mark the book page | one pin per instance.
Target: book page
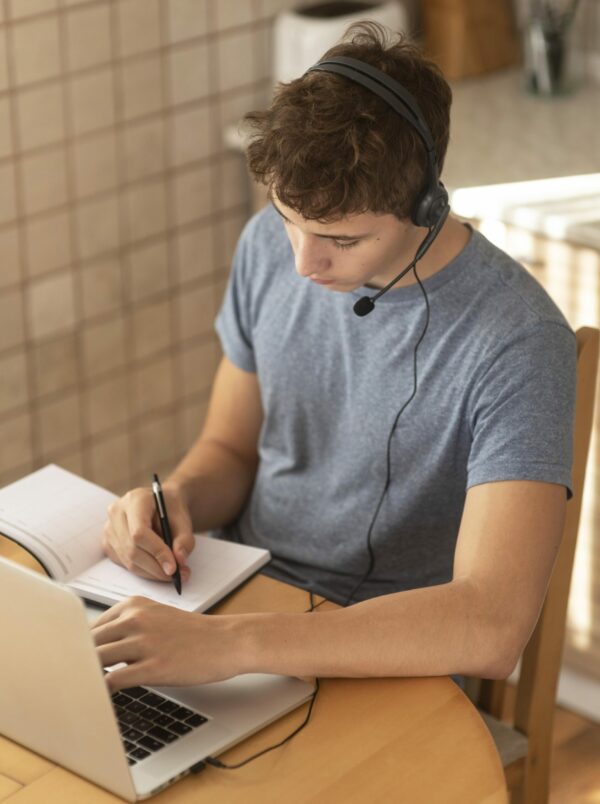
(58, 517)
(217, 567)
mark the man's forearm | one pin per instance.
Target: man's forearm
(215, 483)
(438, 630)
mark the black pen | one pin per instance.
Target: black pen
(165, 528)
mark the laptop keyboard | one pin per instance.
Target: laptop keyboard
(148, 721)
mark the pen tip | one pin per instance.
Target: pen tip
(155, 477)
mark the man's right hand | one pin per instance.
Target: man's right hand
(131, 534)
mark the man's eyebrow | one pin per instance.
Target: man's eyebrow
(326, 236)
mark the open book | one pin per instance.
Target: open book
(58, 517)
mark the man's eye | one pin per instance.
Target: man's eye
(343, 244)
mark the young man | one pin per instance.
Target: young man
(294, 452)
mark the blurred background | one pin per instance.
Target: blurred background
(123, 190)
(121, 199)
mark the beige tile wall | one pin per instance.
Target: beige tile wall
(119, 212)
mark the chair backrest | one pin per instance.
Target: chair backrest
(541, 660)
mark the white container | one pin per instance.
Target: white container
(300, 38)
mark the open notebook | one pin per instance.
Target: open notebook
(58, 517)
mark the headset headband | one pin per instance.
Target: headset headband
(387, 88)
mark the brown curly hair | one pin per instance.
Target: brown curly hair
(328, 147)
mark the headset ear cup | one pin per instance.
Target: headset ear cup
(430, 206)
(420, 213)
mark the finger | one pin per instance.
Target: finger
(147, 576)
(116, 652)
(108, 633)
(184, 541)
(131, 519)
(147, 551)
(130, 676)
(137, 568)
(133, 605)
(145, 566)
(110, 614)
(122, 549)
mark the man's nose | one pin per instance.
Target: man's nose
(309, 256)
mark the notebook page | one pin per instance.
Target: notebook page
(58, 516)
(217, 567)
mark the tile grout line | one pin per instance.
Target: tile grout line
(174, 286)
(123, 243)
(27, 343)
(81, 384)
(217, 177)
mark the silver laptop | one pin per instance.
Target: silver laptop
(54, 700)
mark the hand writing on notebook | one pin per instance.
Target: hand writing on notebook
(164, 646)
(131, 535)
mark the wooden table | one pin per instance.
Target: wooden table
(368, 740)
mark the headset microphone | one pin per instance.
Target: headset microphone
(367, 303)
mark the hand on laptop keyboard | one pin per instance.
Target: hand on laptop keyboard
(164, 646)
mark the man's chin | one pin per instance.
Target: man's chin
(341, 287)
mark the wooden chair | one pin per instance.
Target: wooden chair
(525, 748)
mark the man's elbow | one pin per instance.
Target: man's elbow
(494, 645)
(499, 668)
(505, 646)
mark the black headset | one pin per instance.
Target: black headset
(432, 207)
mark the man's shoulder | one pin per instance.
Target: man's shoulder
(263, 269)
(264, 233)
(513, 295)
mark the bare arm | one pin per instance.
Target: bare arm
(216, 475)
(477, 624)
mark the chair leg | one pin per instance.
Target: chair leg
(517, 796)
(535, 787)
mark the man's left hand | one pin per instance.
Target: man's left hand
(163, 646)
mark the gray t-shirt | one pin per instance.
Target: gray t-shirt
(495, 400)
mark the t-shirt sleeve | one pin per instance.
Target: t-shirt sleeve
(233, 323)
(522, 410)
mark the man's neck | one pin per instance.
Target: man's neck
(451, 240)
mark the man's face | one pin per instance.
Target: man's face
(357, 250)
